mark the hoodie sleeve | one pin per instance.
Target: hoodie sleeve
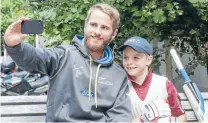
(121, 110)
(44, 61)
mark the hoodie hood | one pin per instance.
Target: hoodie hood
(79, 42)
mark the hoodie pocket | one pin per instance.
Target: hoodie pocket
(62, 113)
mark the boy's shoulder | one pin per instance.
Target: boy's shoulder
(162, 78)
(159, 76)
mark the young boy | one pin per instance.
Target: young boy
(154, 98)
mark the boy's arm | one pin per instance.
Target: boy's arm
(175, 102)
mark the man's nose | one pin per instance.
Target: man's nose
(98, 31)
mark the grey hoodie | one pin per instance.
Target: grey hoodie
(80, 89)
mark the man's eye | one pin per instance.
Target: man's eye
(105, 28)
(136, 58)
(124, 57)
(93, 24)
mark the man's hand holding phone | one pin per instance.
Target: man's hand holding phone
(18, 30)
(32, 27)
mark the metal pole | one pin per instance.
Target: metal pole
(36, 41)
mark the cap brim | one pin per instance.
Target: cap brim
(121, 48)
(124, 46)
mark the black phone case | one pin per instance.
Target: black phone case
(32, 27)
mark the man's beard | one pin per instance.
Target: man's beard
(93, 46)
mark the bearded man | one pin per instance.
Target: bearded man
(83, 77)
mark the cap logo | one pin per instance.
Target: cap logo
(133, 41)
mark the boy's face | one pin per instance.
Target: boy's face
(134, 62)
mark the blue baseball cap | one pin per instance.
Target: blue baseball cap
(139, 44)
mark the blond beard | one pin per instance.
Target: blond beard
(94, 47)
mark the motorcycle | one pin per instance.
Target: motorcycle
(15, 81)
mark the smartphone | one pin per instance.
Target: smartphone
(32, 27)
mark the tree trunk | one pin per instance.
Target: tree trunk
(155, 48)
(168, 59)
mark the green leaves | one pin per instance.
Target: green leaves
(201, 7)
(158, 16)
(151, 19)
(192, 31)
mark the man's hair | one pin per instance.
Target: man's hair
(111, 11)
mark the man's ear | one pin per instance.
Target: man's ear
(114, 34)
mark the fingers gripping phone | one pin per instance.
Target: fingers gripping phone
(32, 27)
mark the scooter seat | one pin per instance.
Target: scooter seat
(7, 66)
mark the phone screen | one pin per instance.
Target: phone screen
(32, 27)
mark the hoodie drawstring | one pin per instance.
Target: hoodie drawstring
(90, 81)
(96, 81)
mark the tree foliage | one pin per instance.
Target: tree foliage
(182, 23)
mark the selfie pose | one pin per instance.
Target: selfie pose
(154, 98)
(83, 84)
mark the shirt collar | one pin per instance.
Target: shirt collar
(147, 80)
